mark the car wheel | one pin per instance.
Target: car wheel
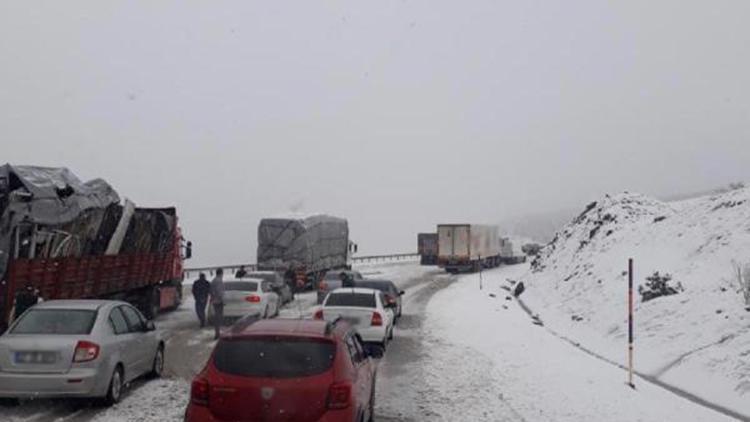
(114, 392)
(157, 368)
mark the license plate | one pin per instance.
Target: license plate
(35, 357)
(351, 320)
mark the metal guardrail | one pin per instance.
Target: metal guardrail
(191, 272)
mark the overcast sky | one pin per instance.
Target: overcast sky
(395, 114)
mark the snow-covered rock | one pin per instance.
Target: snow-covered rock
(698, 339)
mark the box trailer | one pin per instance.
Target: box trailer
(427, 247)
(468, 247)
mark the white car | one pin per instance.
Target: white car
(248, 296)
(78, 348)
(363, 309)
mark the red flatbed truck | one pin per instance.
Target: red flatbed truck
(150, 281)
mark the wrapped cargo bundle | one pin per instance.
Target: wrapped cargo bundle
(315, 243)
(49, 213)
(52, 198)
(150, 230)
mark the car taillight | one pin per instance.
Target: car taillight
(377, 319)
(339, 396)
(253, 299)
(323, 286)
(85, 351)
(318, 314)
(199, 392)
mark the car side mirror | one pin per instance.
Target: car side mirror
(189, 250)
(150, 326)
(401, 293)
(374, 351)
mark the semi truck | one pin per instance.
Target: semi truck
(508, 253)
(468, 247)
(427, 247)
(308, 246)
(66, 239)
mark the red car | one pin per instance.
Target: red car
(286, 370)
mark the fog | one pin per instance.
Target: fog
(394, 114)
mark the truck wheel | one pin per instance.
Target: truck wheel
(152, 307)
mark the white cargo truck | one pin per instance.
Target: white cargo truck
(468, 247)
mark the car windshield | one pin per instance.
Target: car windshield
(55, 321)
(359, 300)
(241, 286)
(274, 357)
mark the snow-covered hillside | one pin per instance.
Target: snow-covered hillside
(698, 339)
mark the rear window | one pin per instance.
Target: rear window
(274, 357)
(55, 321)
(333, 276)
(377, 286)
(360, 300)
(243, 286)
(271, 278)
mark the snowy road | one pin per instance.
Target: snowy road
(459, 353)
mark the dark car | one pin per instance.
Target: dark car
(332, 281)
(305, 370)
(392, 293)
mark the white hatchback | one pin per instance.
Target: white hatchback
(248, 296)
(362, 308)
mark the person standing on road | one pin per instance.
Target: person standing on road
(217, 301)
(201, 290)
(25, 299)
(241, 272)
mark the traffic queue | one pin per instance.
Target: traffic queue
(320, 366)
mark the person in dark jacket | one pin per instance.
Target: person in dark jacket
(346, 279)
(241, 272)
(25, 299)
(201, 289)
(217, 301)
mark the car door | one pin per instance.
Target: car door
(366, 369)
(359, 377)
(140, 341)
(271, 297)
(123, 341)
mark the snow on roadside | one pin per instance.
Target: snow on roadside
(154, 401)
(696, 340)
(538, 376)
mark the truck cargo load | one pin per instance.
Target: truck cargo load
(427, 247)
(308, 245)
(69, 239)
(468, 247)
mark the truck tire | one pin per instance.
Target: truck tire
(151, 303)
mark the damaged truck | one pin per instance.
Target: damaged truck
(307, 246)
(73, 240)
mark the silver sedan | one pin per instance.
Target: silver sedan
(78, 348)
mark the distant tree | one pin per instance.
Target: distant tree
(658, 285)
(736, 185)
